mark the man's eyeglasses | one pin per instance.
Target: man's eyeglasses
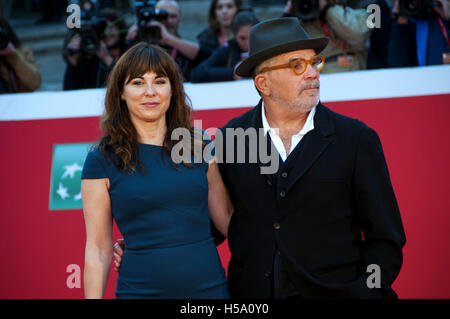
(299, 65)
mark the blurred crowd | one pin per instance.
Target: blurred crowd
(406, 33)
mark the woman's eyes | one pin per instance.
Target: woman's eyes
(226, 6)
(160, 82)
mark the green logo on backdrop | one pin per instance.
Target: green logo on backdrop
(65, 185)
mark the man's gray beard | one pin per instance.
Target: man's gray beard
(301, 107)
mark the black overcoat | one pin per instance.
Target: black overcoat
(337, 214)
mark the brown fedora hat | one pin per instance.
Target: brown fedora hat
(276, 36)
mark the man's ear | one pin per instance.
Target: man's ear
(262, 83)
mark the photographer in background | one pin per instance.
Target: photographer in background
(90, 52)
(420, 34)
(161, 28)
(221, 64)
(18, 70)
(346, 28)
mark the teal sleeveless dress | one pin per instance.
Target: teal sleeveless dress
(164, 218)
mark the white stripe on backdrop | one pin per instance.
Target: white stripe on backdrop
(358, 85)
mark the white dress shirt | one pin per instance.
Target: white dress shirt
(295, 139)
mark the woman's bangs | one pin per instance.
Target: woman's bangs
(145, 60)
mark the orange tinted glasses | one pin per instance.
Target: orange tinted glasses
(299, 65)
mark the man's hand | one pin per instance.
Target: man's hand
(396, 10)
(166, 37)
(322, 4)
(103, 54)
(132, 32)
(444, 9)
(288, 7)
(235, 76)
(118, 249)
(8, 50)
(74, 45)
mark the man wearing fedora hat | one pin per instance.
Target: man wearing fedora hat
(328, 214)
(311, 229)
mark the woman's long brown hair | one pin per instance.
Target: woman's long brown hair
(120, 139)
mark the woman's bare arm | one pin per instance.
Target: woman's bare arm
(99, 240)
(219, 202)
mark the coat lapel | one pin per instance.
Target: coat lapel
(254, 122)
(314, 143)
(269, 150)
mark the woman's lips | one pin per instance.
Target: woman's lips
(150, 104)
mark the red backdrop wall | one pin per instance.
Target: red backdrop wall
(37, 244)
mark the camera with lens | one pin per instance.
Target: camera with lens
(306, 9)
(91, 32)
(92, 28)
(417, 9)
(146, 12)
(4, 38)
(310, 10)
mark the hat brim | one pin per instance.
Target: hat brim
(245, 69)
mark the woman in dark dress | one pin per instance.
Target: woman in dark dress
(161, 206)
